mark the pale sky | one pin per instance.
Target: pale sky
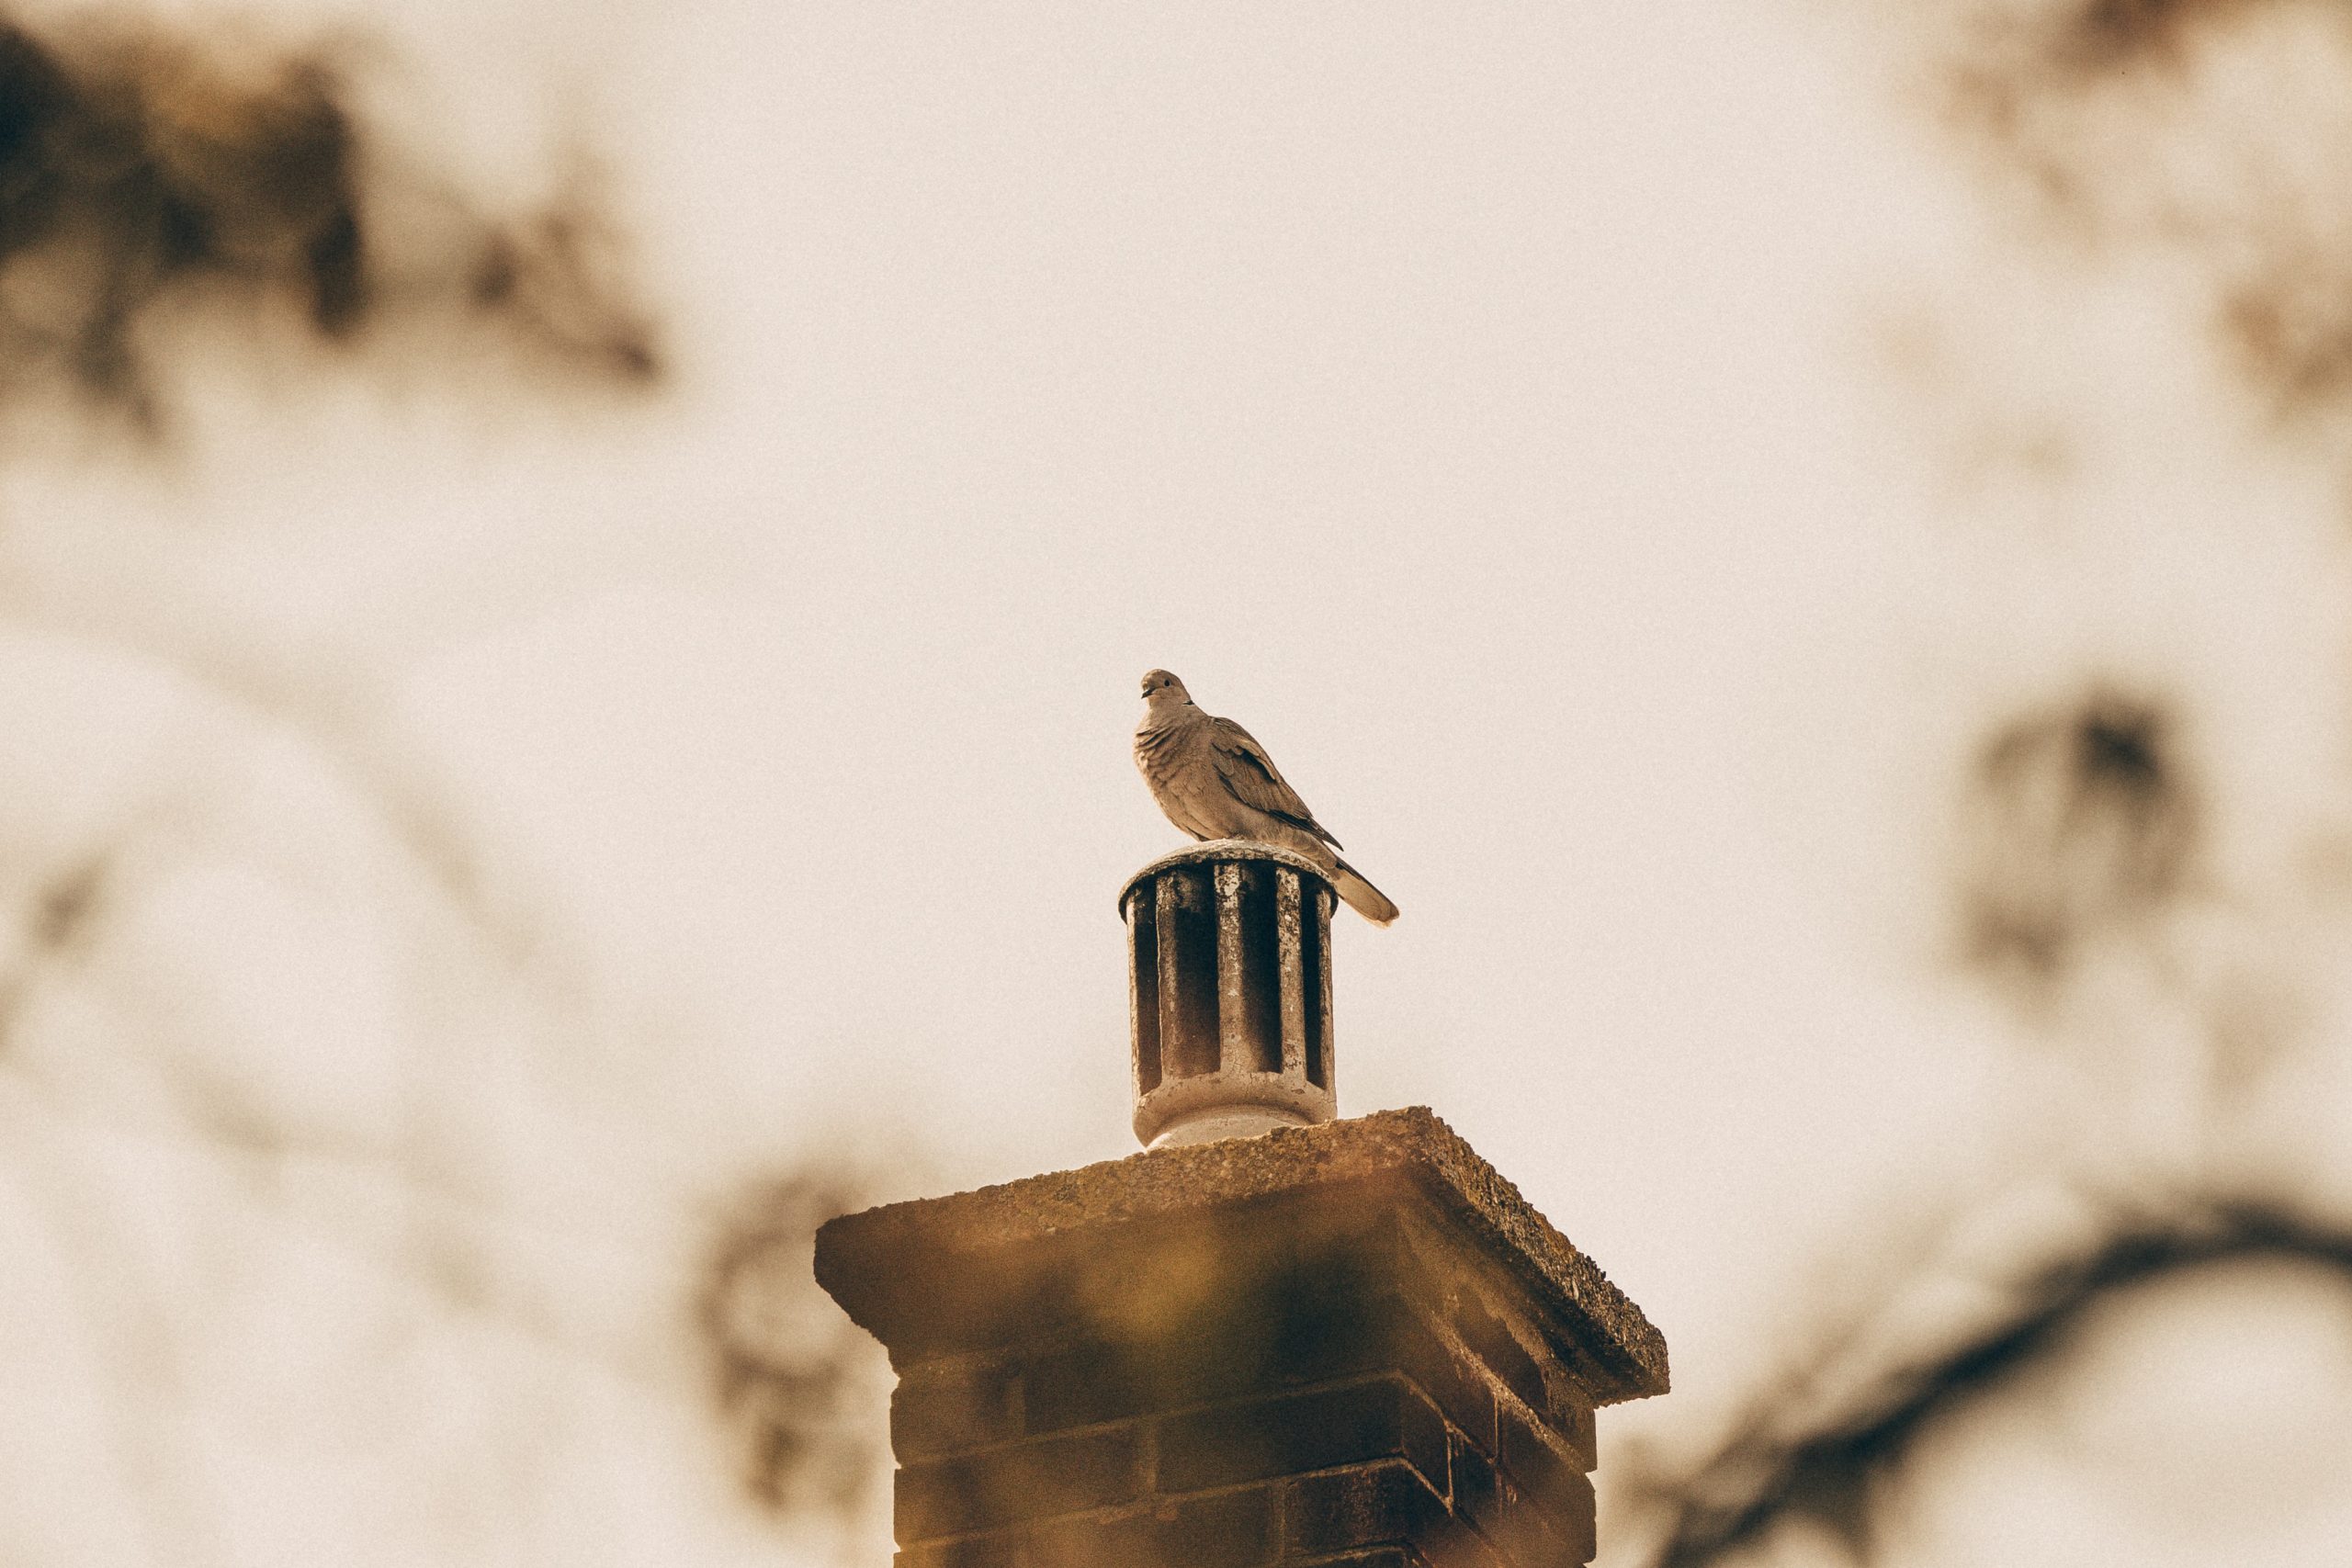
(1578, 441)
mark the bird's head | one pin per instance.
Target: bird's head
(1159, 686)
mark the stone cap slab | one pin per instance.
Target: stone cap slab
(869, 1260)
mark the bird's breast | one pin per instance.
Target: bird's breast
(1158, 752)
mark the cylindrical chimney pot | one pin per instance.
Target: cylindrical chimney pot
(1230, 977)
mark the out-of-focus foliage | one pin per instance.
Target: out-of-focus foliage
(2212, 133)
(2083, 824)
(151, 180)
(309, 1194)
(800, 1384)
(1819, 1449)
(2193, 149)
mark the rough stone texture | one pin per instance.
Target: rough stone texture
(864, 1260)
(1351, 1343)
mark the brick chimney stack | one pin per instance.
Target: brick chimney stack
(1271, 1339)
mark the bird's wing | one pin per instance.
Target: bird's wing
(1254, 780)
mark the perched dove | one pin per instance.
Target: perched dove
(1215, 782)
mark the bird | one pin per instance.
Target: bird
(1215, 781)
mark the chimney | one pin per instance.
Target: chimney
(1229, 989)
(1274, 1337)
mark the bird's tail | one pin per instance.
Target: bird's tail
(1362, 896)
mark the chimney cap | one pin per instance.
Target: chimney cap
(943, 1275)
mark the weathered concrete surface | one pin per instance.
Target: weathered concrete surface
(943, 1275)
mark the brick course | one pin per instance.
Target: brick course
(1296, 1434)
(946, 1406)
(1209, 1456)
(1020, 1481)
